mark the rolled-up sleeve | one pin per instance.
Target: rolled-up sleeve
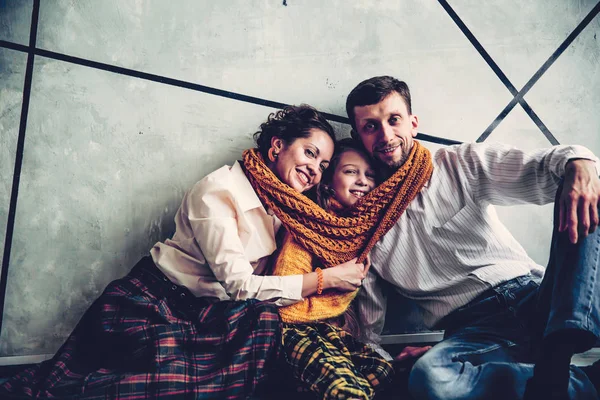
(504, 175)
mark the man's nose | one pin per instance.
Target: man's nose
(387, 133)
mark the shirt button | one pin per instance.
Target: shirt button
(174, 287)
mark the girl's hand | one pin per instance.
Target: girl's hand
(345, 277)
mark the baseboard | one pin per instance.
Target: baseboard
(413, 338)
(22, 360)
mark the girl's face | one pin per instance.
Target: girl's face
(353, 178)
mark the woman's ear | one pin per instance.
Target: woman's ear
(276, 144)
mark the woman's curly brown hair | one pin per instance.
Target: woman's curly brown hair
(289, 124)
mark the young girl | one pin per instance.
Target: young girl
(326, 358)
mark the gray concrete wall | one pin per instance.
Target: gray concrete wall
(107, 157)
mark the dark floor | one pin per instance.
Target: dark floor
(586, 358)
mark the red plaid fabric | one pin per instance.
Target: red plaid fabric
(147, 338)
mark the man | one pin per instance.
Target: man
(451, 254)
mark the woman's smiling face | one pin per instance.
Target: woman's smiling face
(301, 163)
(353, 178)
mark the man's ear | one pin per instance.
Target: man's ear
(354, 134)
(414, 120)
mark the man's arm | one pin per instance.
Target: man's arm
(504, 175)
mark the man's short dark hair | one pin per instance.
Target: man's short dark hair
(372, 91)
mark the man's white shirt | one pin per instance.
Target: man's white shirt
(449, 246)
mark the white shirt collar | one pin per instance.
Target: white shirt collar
(247, 197)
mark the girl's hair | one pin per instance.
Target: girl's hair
(289, 124)
(324, 191)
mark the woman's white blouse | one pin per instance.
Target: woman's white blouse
(223, 236)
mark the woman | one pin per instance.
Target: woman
(190, 321)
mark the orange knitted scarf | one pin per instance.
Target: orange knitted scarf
(336, 239)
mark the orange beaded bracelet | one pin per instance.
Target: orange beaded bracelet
(319, 272)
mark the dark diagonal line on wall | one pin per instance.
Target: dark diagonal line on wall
(519, 96)
(158, 78)
(437, 139)
(499, 73)
(14, 46)
(186, 85)
(10, 224)
(488, 59)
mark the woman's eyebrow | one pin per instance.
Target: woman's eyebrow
(315, 147)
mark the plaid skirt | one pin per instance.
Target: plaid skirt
(331, 363)
(145, 337)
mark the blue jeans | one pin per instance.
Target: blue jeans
(490, 344)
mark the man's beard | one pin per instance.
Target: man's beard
(397, 164)
(388, 170)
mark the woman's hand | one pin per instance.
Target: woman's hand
(345, 277)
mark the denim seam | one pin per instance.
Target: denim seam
(456, 356)
(594, 265)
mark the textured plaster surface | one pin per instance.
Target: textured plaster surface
(103, 175)
(12, 73)
(566, 98)
(15, 20)
(521, 35)
(568, 95)
(108, 157)
(309, 51)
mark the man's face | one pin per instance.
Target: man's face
(386, 129)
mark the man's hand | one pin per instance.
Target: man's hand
(411, 352)
(407, 357)
(578, 203)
